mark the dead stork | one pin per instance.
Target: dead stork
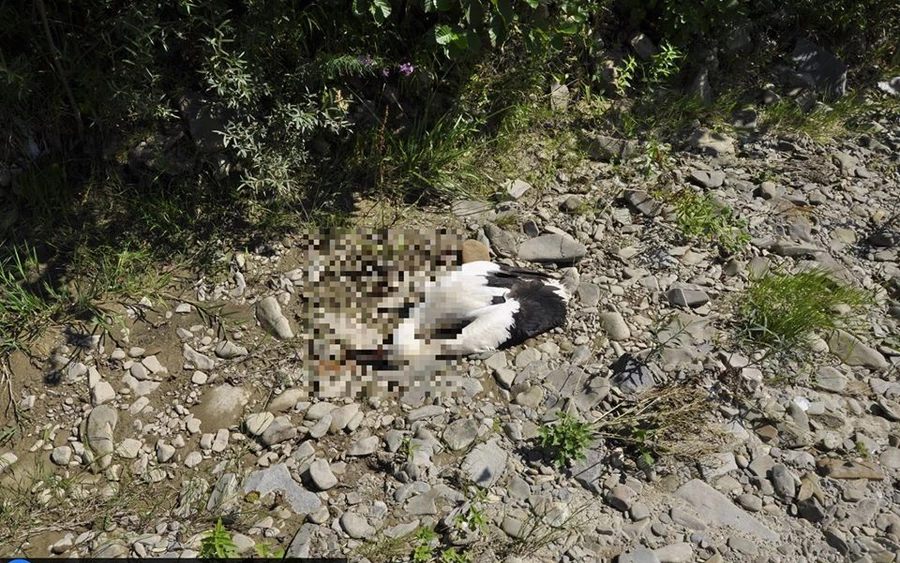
(480, 307)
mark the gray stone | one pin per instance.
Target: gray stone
(559, 96)
(717, 510)
(631, 375)
(642, 202)
(639, 511)
(854, 352)
(836, 539)
(268, 312)
(621, 497)
(280, 430)
(888, 408)
(589, 294)
(503, 243)
(606, 149)
(830, 379)
(196, 359)
(787, 247)
(7, 460)
(700, 86)
(766, 190)
(681, 552)
(460, 433)
(102, 392)
(228, 350)
(321, 475)
(890, 458)
(364, 447)
(278, 478)
(341, 416)
(743, 546)
(684, 518)
(571, 204)
(615, 326)
(485, 464)
(639, 555)
(257, 423)
(784, 482)
(686, 295)
(129, 448)
(517, 188)
(101, 424)
(643, 46)
(427, 411)
(557, 248)
(750, 502)
(846, 162)
(711, 142)
(61, 455)
(164, 452)
(356, 526)
(891, 86)
(707, 179)
(224, 494)
(590, 471)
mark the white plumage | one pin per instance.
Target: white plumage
(480, 307)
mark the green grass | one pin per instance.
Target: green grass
(851, 113)
(32, 297)
(779, 311)
(701, 217)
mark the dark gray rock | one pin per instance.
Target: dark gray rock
(503, 243)
(707, 179)
(642, 202)
(631, 375)
(820, 69)
(606, 149)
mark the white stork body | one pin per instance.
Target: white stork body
(481, 307)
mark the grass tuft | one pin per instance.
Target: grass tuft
(780, 310)
(700, 216)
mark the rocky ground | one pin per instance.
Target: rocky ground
(134, 441)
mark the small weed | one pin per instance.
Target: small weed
(450, 555)
(217, 544)
(569, 438)
(780, 310)
(861, 449)
(424, 540)
(701, 217)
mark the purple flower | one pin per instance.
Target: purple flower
(365, 60)
(407, 68)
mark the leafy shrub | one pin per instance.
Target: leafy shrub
(569, 438)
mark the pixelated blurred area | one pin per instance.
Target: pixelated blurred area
(360, 284)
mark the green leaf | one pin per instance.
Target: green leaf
(568, 28)
(443, 5)
(357, 9)
(443, 35)
(380, 10)
(505, 9)
(474, 13)
(533, 3)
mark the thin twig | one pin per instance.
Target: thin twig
(7, 375)
(57, 65)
